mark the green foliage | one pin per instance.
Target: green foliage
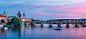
(8, 23)
(16, 18)
(3, 21)
(7, 20)
(15, 21)
(0, 22)
(34, 20)
(83, 20)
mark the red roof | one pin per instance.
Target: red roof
(3, 16)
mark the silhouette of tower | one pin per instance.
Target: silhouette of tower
(23, 15)
(19, 15)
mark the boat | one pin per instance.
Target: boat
(5, 28)
(57, 29)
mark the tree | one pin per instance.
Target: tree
(34, 20)
(3, 21)
(8, 23)
(16, 21)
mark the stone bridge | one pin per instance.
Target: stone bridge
(33, 23)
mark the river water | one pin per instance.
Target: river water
(46, 32)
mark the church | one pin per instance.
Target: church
(4, 16)
(24, 18)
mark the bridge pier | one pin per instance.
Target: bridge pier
(81, 23)
(75, 25)
(84, 24)
(50, 25)
(59, 25)
(41, 25)
(33, 24)
(67, 24)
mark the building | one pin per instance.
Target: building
(30, 19)
(19, 15)
(26, 19)
(4, 16)
(23, 19)
(10, 17)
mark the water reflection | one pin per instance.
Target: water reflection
(46, 32)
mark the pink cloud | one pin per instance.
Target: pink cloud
(68, 15)
(77, 9)
(53, 9)
(43, 13)
(73, 15)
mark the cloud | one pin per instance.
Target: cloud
(11, 2)
(77, 9)
(58, 2)
(43, 13)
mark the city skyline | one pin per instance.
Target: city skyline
(45, 9)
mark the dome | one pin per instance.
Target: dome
(4, 13)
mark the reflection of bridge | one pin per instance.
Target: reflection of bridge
(33, 23)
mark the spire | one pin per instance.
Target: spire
(18, 12)
(24, 14)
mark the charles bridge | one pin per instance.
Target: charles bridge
(33, 23)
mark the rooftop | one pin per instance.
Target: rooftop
(3, 16)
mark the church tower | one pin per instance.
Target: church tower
(19, 15)
(4, 14)
(23, 15)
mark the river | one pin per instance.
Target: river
(46, 32)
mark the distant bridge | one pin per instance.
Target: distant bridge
(33, 23)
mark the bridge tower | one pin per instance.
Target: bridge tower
(23, 15)
(19, 15)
